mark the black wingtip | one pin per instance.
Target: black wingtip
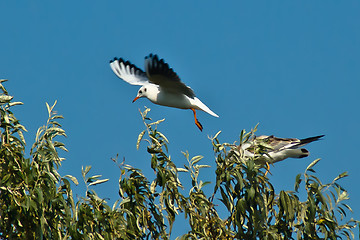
(318, 137)
(113, 60)
(120, 60)
(152, 56)
(158, 65)
(311, 139)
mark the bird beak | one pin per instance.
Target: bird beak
(137, 97)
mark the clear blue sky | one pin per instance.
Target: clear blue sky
(292, 66)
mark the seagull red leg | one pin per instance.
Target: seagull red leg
(198, 124)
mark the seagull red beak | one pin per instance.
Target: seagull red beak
(135, 99)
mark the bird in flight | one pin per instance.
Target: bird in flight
(160, 84)
(273, 149)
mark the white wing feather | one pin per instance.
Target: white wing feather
(128, 72)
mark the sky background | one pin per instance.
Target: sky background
(291, 66)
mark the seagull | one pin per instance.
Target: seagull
(278, 149)
(160, 84)
(273, 149)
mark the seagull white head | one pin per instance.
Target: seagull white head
(149, 91)
(141, 93)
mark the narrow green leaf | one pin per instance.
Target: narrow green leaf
(72, 178)
(39, 193)
(21, 136)
(56, 129)
(203, 166)
(297, 182)
(98, 182)
(203, 184)
(311, 165)
(87, 169)
(93, 178)
(342, 175)
(48, 108)
(52, 176)
(182, 170)
(347, 206)
(57, 117)
(163, 136)
(225, 199)
(15, 103)
(217, 134)
(98, 236)
(157, 122)
(251, 193)
(283, 202)
(196, 159)
(141, 135)
(19, 222)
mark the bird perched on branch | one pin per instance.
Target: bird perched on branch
(160, 84)
(272, 149)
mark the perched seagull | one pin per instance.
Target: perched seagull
(160, 84)
(274, 149)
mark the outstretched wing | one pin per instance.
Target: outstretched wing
(128, 72)
(159, 72)
(279, 144)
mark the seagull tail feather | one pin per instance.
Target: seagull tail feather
(203, 107)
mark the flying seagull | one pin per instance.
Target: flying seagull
(273, 149)
(160, 84)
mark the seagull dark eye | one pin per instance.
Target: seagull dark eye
(144, 89)
(140, 92)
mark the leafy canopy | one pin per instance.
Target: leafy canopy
(37, 203)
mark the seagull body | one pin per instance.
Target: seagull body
(278, 149)
(160, 84)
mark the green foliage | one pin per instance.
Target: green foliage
(37, 203)
(256, 212)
